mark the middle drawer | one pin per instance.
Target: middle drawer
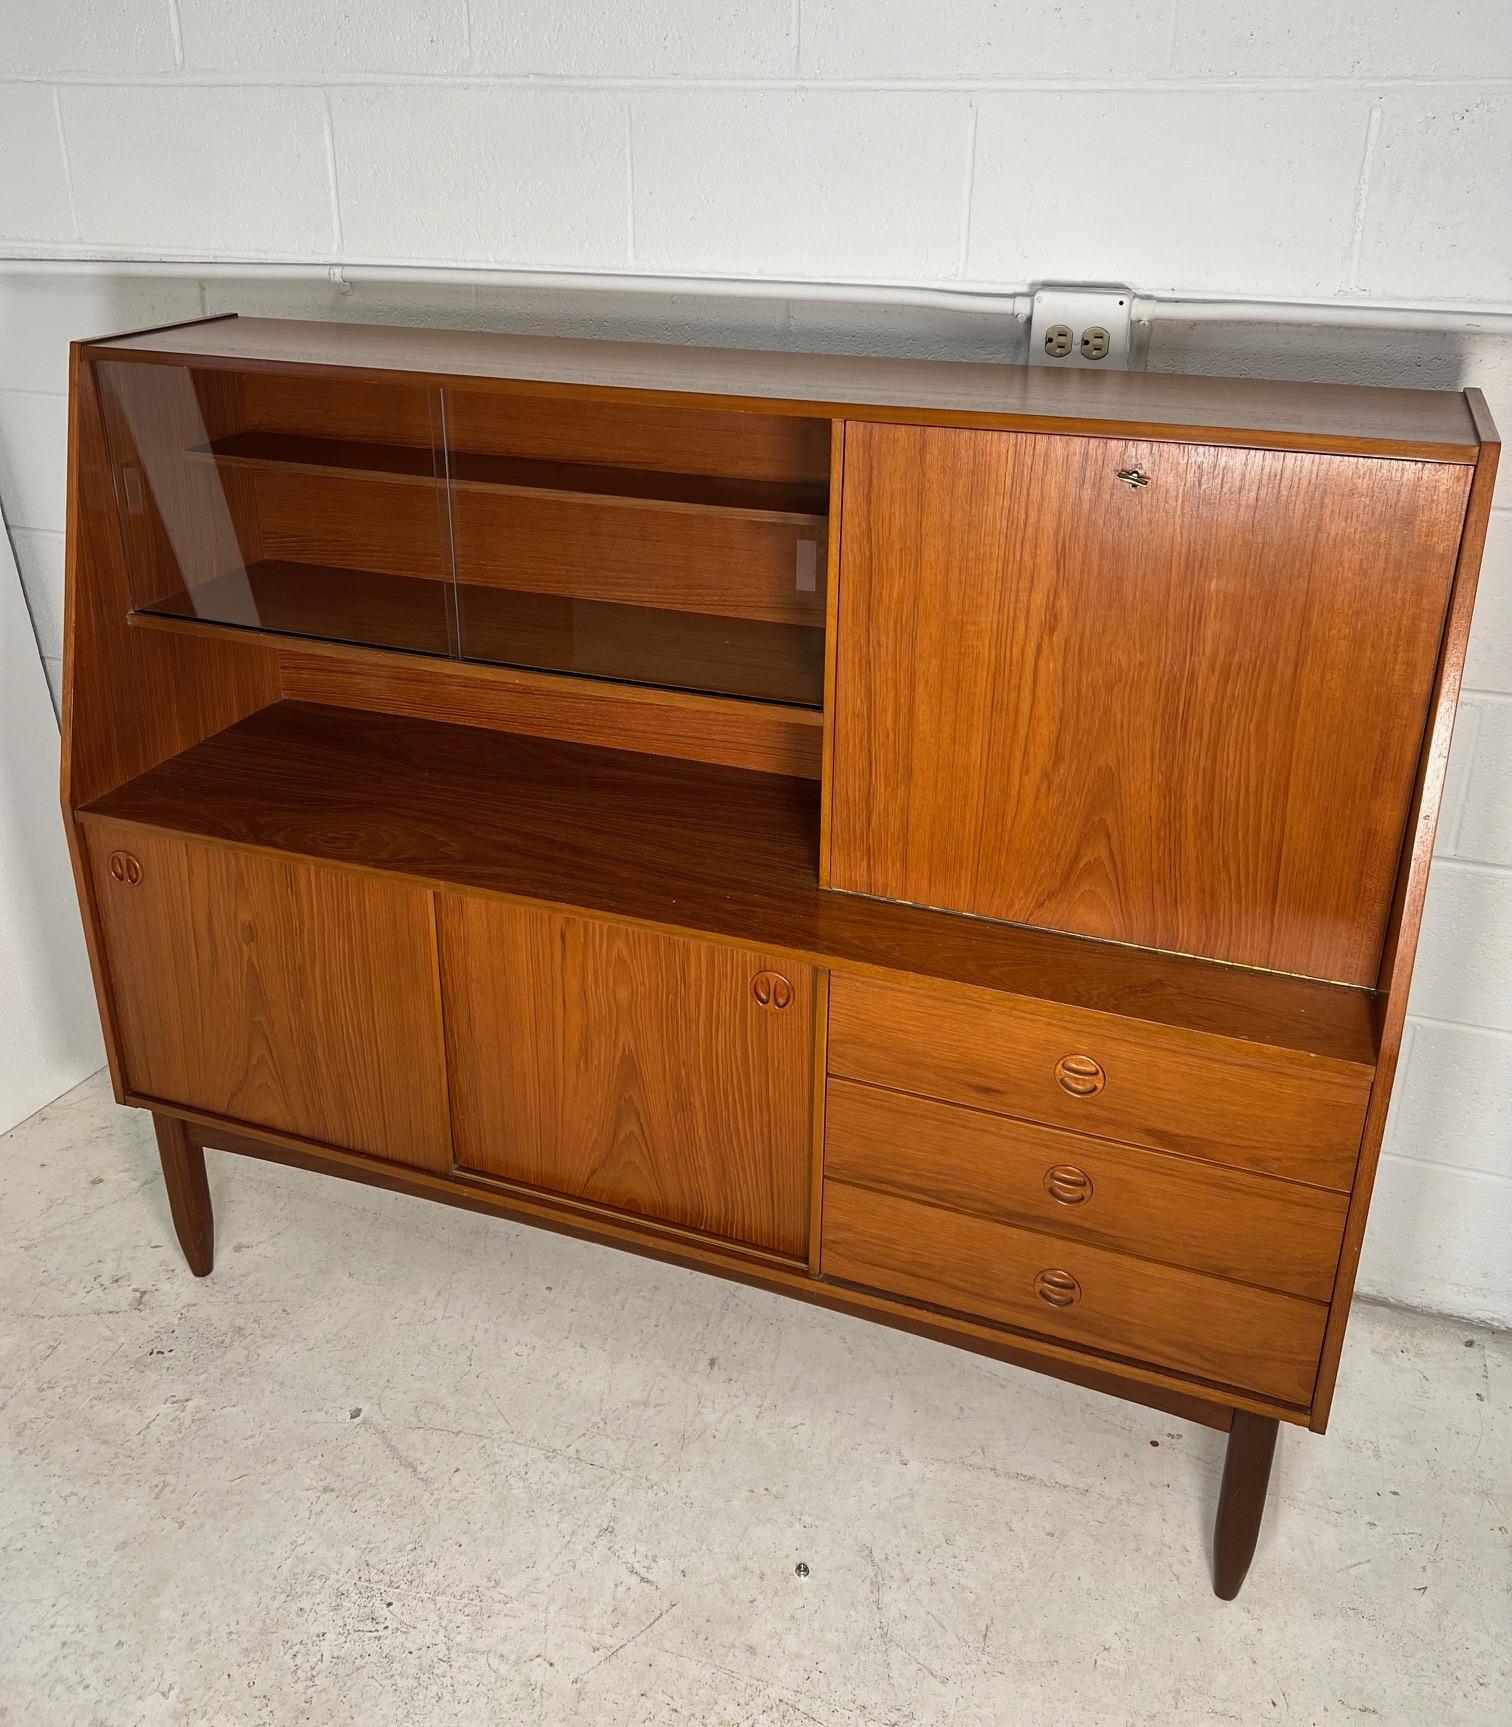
(1253, 1229)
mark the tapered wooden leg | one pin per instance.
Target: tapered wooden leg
(1241, 1499)
(188, 1192)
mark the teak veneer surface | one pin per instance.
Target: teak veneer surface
(1275, 1111)
(761, 736)
(1227, 1332)
(676, 440)
(1185, 716)
(630, 1069)
(1434, 425)
(648, 646)
(697, 494)
(263, 989)
(677, 845)
(1248, 1228)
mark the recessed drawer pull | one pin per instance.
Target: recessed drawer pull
(1068, 1185)
(771, 989)
(124, 867)
(1079, 1075)
(1057, 1288)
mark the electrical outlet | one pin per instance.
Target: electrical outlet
(1089, 327)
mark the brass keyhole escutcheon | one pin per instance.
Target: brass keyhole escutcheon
(771, 989)
(1068, 1185)
(1057, 1288)
(1133, 478)
(1080, 1075)
(124, 867)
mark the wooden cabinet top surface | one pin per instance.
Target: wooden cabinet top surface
(1431, 425)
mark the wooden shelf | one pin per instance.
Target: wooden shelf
(632, 488)
(643, 645)
(674, 845)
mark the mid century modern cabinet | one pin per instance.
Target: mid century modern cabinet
(946, 842)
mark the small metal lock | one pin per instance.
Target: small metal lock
(1133, 478)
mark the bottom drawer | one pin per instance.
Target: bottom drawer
(1187, 1321)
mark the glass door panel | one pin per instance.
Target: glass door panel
(283, 501)
(676, 547)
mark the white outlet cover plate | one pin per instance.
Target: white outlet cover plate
(1082, 308)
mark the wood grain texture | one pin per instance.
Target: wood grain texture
(687, 452)
(178, 524)
(188, 1193)
(578, 481)
(831, 637)
(275, 994)
(1241, 1500)
(634, 1070)
(1185, 716)
(1248, 1228)
(1249, 412)
(643, 646)
(685, 561)
(673, 845)
(354, 524)
(116, 722)
(375, 409)
(771, 448)
(1411, 892)
(745, 657)
(816, 1155)
(761, 736)
(1265, 1109)
(1178, 1395)
(1226, 1332)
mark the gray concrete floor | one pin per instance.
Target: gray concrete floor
(394, 1463)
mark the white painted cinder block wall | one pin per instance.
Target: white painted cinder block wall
(1285, 150)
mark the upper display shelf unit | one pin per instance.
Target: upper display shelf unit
(659, 546)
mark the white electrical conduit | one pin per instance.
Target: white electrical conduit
(1146, 308)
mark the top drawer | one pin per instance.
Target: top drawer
(1249, 1105)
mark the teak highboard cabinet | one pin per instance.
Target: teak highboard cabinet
(946, 842)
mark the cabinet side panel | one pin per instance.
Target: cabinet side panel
(1412, 887)
(132, 698)
(1182, 713)
(630, 1069)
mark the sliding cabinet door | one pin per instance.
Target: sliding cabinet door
(274, 993)
(655, 1075)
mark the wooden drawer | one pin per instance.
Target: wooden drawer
(1252, 1228)
(1276, 1110)
(1252, 1339)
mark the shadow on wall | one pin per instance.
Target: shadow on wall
(51, 1038)
(1397, 359)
